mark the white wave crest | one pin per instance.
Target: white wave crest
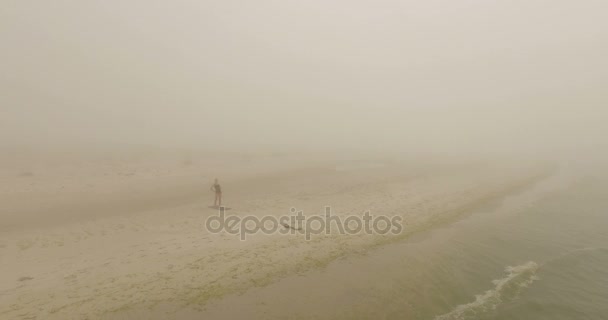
(517, 277)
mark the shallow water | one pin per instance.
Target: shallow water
(538, 254)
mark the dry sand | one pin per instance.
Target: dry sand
(122, 235)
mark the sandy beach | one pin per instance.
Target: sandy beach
(393, 160)
(122, 235)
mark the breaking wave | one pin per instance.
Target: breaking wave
(505, 289)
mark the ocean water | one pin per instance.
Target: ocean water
(553, 246)
(541, 253)
(538, 254)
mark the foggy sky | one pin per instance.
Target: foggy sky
(412, 75)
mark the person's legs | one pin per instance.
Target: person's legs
(219, 196)
(215, 200)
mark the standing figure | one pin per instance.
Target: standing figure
(218, 193)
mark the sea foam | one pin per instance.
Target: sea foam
(505, 288)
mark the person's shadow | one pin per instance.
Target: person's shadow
(218, 207)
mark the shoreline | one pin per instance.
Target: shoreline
(120, 263)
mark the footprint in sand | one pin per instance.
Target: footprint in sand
(26, 278)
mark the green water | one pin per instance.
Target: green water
(540, 254)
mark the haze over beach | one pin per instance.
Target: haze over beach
(447, 160)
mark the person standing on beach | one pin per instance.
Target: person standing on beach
(218, 193)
